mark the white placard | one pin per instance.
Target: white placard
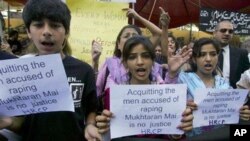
(124, 1)
(146, 109)
(218, 106)
(34, 85)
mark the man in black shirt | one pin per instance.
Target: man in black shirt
(48, 23)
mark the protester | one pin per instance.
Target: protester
(48, 26)
(7, 132)
(138, 58)
(202, 75)
(113, 65)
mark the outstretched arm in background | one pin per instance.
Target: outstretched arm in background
(155, 31)
(96, 51)
(164, 20)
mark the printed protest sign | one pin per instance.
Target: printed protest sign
(217, 106)
(146, 109)
(34, 85)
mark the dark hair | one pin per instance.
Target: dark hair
(197, 50)
(136, 40)
(117, 51)
(175, 41)
(219, 24)
(54, 10)
(13, 33)
(131, 43)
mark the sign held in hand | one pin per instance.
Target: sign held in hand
(34, 85)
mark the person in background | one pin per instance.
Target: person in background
(244, 83)
(233, 61)
(172, 43)
(48, 26)
(113, 64)
(6, 132)
(15, 44)
(138, 58)
(162, 58)
(5, 47)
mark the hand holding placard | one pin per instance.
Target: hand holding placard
(34, 85)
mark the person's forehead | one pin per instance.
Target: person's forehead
(129, 30)
(226, 25)
(208, 47)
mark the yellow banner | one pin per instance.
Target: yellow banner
(92, 20)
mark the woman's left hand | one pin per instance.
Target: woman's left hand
(187, 120)
(245, 113)
(91, 133)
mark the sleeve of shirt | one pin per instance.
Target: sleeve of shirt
(169, 80)
(100, 81)
(110, 81)
(90, 100)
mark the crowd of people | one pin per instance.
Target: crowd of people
(209, 63)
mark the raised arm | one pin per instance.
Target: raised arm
(155, 31)
(164, 20)
(175, 61)
(96, 51)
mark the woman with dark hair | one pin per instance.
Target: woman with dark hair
(202, 75)
(172, 43)
(113, 65)
(138, 58)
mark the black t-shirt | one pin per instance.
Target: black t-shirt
(4, 56)
(66, 126)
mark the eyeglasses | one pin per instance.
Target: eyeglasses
(224, 30)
